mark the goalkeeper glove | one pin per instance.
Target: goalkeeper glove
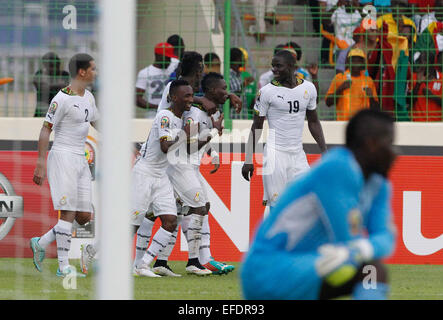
(338, 264)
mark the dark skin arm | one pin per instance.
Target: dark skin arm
(165, 145)
(330, 100)
(254, 136)
(139, 101)
(201, 143)
(373, 104)
(315, 128)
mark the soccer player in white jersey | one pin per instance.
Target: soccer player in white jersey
(151, 81)
(188, 182)
(151, 185)
(69, 115)
(285, 103)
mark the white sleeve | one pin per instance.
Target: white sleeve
(164, 126)
(165, 103)
(56, 111)
(312, 104)
(262, 103)
(142, 79)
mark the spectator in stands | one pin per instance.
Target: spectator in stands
(398, 23)
(365, 38)
(249, 86)
(237, 61)
(267, 77)
(345, 19)
(327, 7)
(179, 47)
(212, 63)
(48, 81)
(352, 90)
(308, 74)
(152, 80)
(427, 93)
(238, 81)
(264, 10)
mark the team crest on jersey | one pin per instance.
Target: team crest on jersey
(164, 122)
(306, 95)
(63, 200)
(52, 108)
(197, 197)
(355, 221)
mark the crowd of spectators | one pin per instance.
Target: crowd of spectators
(390, 59)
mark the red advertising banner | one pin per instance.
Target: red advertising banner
(236, 208)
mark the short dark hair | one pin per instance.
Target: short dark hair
(189, 63)
(236, 55)
(177, 42)
(296, 48)
(210, 80)
(79, 61)
(287, 56)
(175, 84)
(210, 56)
(366, 124)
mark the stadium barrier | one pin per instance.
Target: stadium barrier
(236, 205)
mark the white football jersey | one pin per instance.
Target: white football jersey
(285, 110)
(152, 159)
(153, 80)
(70, 116)
(197, 115)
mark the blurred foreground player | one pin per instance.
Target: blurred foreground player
(330, 223)
(69, 115)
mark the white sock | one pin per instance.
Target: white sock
(194, 235)
(164, 254)
(47, 239)
(63, 234)
(185, 224)
(159, 242)
(205, 251)
(144, 233)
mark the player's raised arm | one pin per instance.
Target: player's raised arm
(43, 143)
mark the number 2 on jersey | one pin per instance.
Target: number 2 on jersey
(294, 106)
(86, 115)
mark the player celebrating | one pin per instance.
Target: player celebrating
(191, 70)
(330, 224)
(187, 182)
(151, 185)
(284, 102)
(70, 113)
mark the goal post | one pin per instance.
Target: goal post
(117, 73)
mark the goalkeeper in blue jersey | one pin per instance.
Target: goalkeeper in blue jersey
(330, 223)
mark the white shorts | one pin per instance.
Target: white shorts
(148, 192)
(70, 181)
(280, 168)
(187, 183)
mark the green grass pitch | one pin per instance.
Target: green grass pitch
(20, 280)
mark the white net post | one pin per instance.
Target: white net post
(116, 76)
